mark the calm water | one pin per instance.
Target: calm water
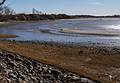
(50, 31)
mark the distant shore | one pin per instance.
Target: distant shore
(39, 17)
(10, 22)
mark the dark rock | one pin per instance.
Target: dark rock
(11, 57)
(55, 73)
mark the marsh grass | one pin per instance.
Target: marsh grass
(7, 36)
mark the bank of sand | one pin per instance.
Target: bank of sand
(98, 63)
(101, 32)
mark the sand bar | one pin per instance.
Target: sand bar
(91, 32)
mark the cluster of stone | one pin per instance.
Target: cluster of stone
(18, 69)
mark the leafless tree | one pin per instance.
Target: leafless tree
(4, 10)
(34, 11)
(2, 1)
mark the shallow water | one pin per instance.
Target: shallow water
(50, 31)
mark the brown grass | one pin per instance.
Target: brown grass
(7, 36)
(83, 60)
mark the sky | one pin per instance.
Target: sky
(70, 7)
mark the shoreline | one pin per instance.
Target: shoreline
(90, 61)
(18, 69)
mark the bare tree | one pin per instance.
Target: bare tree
(2, 1)
(1, 8)
(4, 10)
(34, 11)
(8, 11)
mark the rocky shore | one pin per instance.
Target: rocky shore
(18, 69)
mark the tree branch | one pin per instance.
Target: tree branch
(2, 2)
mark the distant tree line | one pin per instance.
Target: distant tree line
(8, 14)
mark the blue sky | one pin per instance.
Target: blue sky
(91, 7)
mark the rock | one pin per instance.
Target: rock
(1, 78)
(55, 73)
(10, 57)
(8, 80)
(22, 77)
(75, 78)
(85, 80)
(12, 76)
(12, 64)
(18, 69)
